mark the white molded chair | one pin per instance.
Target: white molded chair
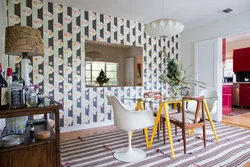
(129, 120)
(211, 103)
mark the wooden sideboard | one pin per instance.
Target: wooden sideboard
(34, 152)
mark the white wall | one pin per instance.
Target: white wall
(223, 28)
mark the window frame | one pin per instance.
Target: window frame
(105, 70)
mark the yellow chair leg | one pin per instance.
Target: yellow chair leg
(169, 130)
(146, 136)
(190, 133)
(157, 119)
(210, 121)
(139, 106)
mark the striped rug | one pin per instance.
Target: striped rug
(97, 151)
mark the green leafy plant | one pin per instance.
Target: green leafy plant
(176, 76)
(102, 79)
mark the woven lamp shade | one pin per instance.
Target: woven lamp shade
(23, 40)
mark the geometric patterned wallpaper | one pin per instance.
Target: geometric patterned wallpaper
(60, 73)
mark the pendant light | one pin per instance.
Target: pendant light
(163, 28)
(94, 55)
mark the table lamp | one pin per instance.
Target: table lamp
(24, 41)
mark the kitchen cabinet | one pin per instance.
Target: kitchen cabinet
(246, 59)
(241, 60)
(34, 152)
(245, 95)
(237, 60)
(226, 99)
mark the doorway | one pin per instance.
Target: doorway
(233, 42)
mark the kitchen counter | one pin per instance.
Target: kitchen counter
(227, 83)
(243, 82)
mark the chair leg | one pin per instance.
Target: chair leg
(160, 123)
(158, 129)
(175, 130)
(184, 139)
(164, 131)
(130, 154)
(204, 134)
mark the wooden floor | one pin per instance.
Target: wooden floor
(242, 120)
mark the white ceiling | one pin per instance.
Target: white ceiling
(192, 13)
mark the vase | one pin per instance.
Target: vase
(30, 96)
(174, 91)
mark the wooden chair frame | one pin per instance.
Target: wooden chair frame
(185, 126)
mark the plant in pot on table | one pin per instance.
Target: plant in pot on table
(102, 79)
(176, 77)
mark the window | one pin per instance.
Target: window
(228, 68)
(93, 69)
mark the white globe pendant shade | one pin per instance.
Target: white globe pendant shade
(163, 28)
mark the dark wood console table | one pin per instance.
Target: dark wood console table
(34, 153)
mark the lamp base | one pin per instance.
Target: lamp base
(25, 71)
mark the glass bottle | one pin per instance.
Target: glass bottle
(9, 76)
(3, 91)
(30, 96)
(18, 71)
(16, 93)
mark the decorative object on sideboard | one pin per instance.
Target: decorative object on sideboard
(31, 95)
(3, 90)
(163, 28)
(16, 93)
(24, 41)
(43, 135)
(11, 140)
(93, 55)
(40, 99)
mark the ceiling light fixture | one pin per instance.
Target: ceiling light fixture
(93, 55)
(163, 28)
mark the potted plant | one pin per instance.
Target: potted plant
(176, 77)
(102, 79)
